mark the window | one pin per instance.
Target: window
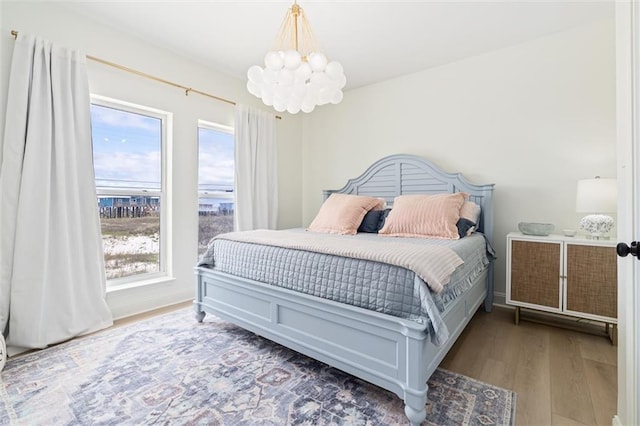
(215, 182)
(129, 143)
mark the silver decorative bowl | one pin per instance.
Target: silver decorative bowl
(532, 228)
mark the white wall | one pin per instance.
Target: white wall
(533, 119)
(61, 25)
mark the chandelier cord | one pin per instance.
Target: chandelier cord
(295, 11)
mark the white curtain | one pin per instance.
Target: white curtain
(52, 279)
(256, 169)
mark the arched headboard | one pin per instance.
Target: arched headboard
(402, 174)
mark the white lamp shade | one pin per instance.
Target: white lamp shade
(599, 195)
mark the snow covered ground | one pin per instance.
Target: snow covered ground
(132, 254)
(131, 244)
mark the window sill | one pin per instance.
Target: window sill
(165, 279)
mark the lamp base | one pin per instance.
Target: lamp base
(597, 236)
(597, 225)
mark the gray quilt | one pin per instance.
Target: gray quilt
(367, 284)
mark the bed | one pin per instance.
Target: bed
(396, 353)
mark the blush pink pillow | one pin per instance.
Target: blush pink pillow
(427, 216)
(343, 213)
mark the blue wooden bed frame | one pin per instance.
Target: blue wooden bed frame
(393, 353)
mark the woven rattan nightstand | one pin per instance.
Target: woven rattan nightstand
(564, 275)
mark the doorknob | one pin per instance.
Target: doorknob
(623, 250)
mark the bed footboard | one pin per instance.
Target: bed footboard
(390, 352)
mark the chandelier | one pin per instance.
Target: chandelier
(297, 76)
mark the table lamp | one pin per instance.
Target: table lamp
(597, 196)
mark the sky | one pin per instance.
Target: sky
(215, 160)
(127, 152)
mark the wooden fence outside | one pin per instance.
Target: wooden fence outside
(116, 212)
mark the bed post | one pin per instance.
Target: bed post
(487, 229)
(415, 416)
(416, 389)
(200, 313)
(488, 301)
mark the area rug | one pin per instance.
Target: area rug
(172, 370)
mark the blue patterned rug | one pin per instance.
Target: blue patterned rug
(172, 370)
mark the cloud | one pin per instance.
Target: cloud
(128, 169)
(215, 170)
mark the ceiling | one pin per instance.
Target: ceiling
(374, 40)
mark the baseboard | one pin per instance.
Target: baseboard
(137, 300)
(499, 299)
(616, 421)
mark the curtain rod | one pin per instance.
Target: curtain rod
(186, 89)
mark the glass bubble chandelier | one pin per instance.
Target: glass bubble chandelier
(297, 76)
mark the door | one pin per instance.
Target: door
(534, 278)
(628, 145)
(591, 283)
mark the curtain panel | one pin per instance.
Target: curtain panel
(52, 279)
(256, 179)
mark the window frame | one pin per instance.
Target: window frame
(164, 193)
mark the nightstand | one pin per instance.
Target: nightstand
(571, 276)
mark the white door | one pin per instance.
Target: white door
(628, 145)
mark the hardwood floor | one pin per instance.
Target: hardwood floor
(561, 376)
